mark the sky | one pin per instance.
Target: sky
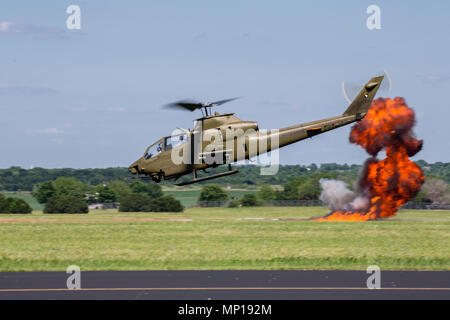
(93, 97)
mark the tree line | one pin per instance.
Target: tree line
(434, 191)
(68, 195)
(19, 179)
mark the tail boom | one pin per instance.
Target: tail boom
(356, 111)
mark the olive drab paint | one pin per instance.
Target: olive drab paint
(224, 138)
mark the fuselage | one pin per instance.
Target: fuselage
(213, 136)
(219, 139)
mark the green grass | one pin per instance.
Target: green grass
(222, 238)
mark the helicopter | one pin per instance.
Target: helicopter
(222, 139)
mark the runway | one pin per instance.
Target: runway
(226, 285)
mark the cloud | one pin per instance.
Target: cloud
(433, 79)
(45, 131)
(116, 109)
(6, 26)
(6, 88)
(9, 27)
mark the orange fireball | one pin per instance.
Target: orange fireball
(389, 183)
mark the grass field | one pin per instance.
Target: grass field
(222, 238)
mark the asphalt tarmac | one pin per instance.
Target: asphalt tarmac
(226, 285)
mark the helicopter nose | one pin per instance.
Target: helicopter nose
(133, 170)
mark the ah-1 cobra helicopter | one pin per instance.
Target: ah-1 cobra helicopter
(196, 153)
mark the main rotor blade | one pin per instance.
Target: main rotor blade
(194, 105)
(186, 105)
(218, 103)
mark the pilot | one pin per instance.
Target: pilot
(159, 147)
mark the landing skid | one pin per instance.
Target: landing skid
(138, 178)
(223, 174)
(157, 179)
(218, 175)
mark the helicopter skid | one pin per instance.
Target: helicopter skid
(223, 174)
(138, 178)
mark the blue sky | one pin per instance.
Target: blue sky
(93, 97)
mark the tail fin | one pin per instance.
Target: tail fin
(363, 100)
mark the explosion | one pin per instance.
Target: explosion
(384, 186)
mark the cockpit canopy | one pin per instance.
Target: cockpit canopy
(165, 144)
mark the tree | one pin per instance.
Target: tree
(141, 202)
(18, 206)
(65, 203)
(421, 197)
(44, 191)
(170, 204)
(71, 186)
(165, 203)
(309, 191)
(153, 190)
(4, 205)
(266, 192)
(436, 190)
(120, 189)
(249, 200)
(106, 195)
(212, 192)
(234, 203)
(305, 187)
(290, 190)
(16, 178)
(13, 205)
(135, 202)
(421, 163)
(62, 187)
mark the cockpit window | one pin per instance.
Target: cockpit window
(153, 150)
(169, 143)
(175, 141)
